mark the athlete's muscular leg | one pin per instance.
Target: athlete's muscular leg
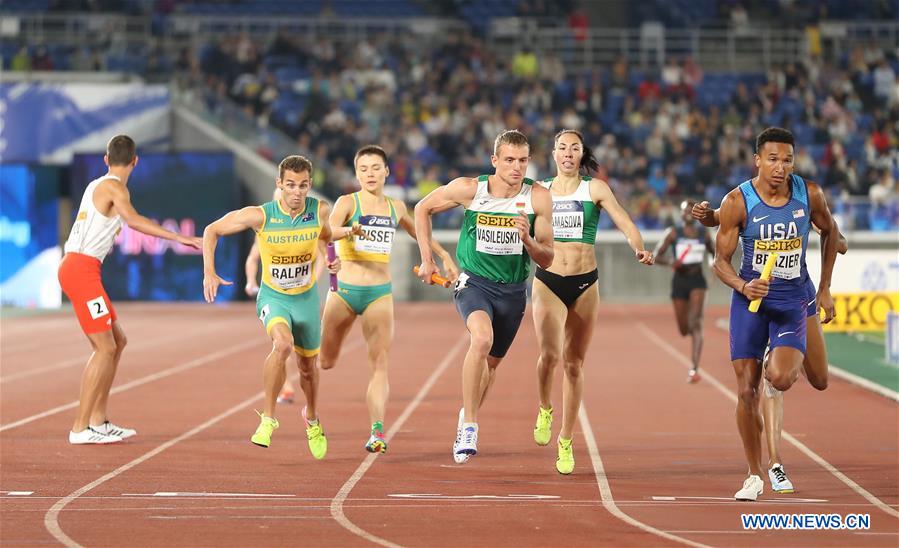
(749, 420)
(96, 377)
(377, 328)
(273, 373)
(773, 412)
(681, 307)
(783, 367)
(99, 414)
(309, 383)
(549, 321)
(475, 377)
(815, 362)
(694, 323)
(337, 319)
(578, 333)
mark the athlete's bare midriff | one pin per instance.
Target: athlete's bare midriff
(364, 272)
(573, 258)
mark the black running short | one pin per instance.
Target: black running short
(504, 303)
(567, 288)
(683, 284)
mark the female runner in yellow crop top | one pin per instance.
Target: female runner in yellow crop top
(364, 224)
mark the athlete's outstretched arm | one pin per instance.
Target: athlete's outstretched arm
(343, 210)
(121, 202)
(822, 218)
(231, 223)
(540, 247)
(662, 247)
(602, 194)
(459, 192)
(407, 222)
(732, 216)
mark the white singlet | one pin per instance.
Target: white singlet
(93, 233)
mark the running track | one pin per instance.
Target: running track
(657, 459)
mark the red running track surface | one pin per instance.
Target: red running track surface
(657, 460)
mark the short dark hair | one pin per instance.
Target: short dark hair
(773, 135)
(370, 149)
(589, 163)
(510, 137)
(295, 163)
(121, 150)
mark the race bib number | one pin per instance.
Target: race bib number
(497, 235)
(789, 257)
(568, 220)
(689, 251)
(291, 276)
(379, 233)
(98, 307)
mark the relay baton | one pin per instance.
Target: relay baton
(683, 255)
(331, 256)
(766, 274)
(436, 279)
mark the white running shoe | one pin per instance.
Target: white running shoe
(111, 429)
(468, 445)
(779, 481)
(91, 436)
(751, 490)
(459, 458)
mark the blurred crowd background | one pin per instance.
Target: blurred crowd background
(669, 93)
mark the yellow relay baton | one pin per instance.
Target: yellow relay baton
(766, 274)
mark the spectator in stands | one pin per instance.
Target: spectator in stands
(884, 82)
(525, 65)
(21, 61)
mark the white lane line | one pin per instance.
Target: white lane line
(51, 518)
(605, 490)
(858, 489)
(337, 502)
(17, 493)
(82, 359)
(141, 381)
(779, 500)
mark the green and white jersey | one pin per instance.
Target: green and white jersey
(575, 215)
(489, 244)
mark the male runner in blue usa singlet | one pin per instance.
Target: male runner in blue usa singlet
(770, 213)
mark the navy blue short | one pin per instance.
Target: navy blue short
(504, 303)
(780, 322)
(811, 298)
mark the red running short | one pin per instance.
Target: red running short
(79, 276)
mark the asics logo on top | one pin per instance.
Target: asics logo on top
(759, 219)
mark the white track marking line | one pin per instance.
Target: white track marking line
(858, 489)
(343, 493)
(81, 360)
(51, 518)
(605, 490)
(141, 381)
